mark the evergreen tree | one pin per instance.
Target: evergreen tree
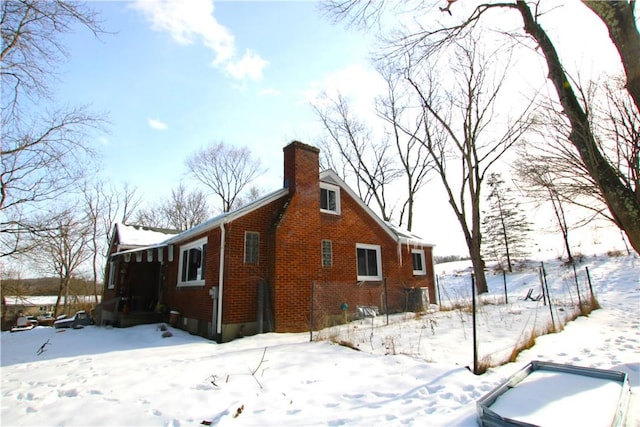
(505, 226)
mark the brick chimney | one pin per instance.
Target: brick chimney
(297, 239)
(301, 167)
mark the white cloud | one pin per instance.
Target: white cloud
(359, 84)
(250, 65)
(157, 124)
(192, 21)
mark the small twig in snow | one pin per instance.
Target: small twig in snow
(42, 348)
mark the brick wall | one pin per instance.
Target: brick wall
(193, 302)
(298, 249)
(355, 225)
(240, 279)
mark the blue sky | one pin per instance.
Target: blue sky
(173, 76)
(173, 80)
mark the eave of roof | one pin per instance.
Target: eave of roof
(228, 216)
(399, 235)
(213, 222)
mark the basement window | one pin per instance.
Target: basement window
(329, 198)
(419, 267)
(192, 263)
(369, 262)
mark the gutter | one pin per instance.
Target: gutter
(220, 279)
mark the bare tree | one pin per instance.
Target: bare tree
(63, 250)
(225, 170)
(32, 46)
(463, 134)
(540, 185)
(352, 150)
(619, 18)
(120, 205)
(394, 109)
(616, 128)
(186, 209)
(41, 147)
(616, 125)
(39, 165)
(622, 201)
(104, 205)
(252, 194)
(181, 211)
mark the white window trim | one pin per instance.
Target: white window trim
(378, 259)
(336, 190)
(190, 245)
(422, 272)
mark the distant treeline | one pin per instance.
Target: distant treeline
(46, 286)
(449, 258)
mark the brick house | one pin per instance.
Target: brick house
(300, 256)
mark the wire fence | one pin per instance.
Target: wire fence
(340, 302)
(395, 320)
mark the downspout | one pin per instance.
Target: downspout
(220, 280)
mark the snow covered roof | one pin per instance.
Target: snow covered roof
(228, 216)
(134, 239)
(136, 236)
(408, 237)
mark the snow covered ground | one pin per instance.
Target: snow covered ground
(411, 371)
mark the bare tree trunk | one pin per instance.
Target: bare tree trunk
(619, 18)
(562, 222)
(622, 202)
(57, 306)
(505, 236)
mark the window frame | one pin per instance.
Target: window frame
(323, 253)
(378, 251)
(200, 278)
(257, 250)
(112, 272)
(336, 190)
(423, 271)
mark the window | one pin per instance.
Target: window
(327, 253)
(251, 246)
(112, 274)
(329, 198)
(192, 263)
(419, 268)
(369, 262)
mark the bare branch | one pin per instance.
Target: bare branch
(225, 170)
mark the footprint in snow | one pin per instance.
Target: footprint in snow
(68, 393)
(434, 388)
